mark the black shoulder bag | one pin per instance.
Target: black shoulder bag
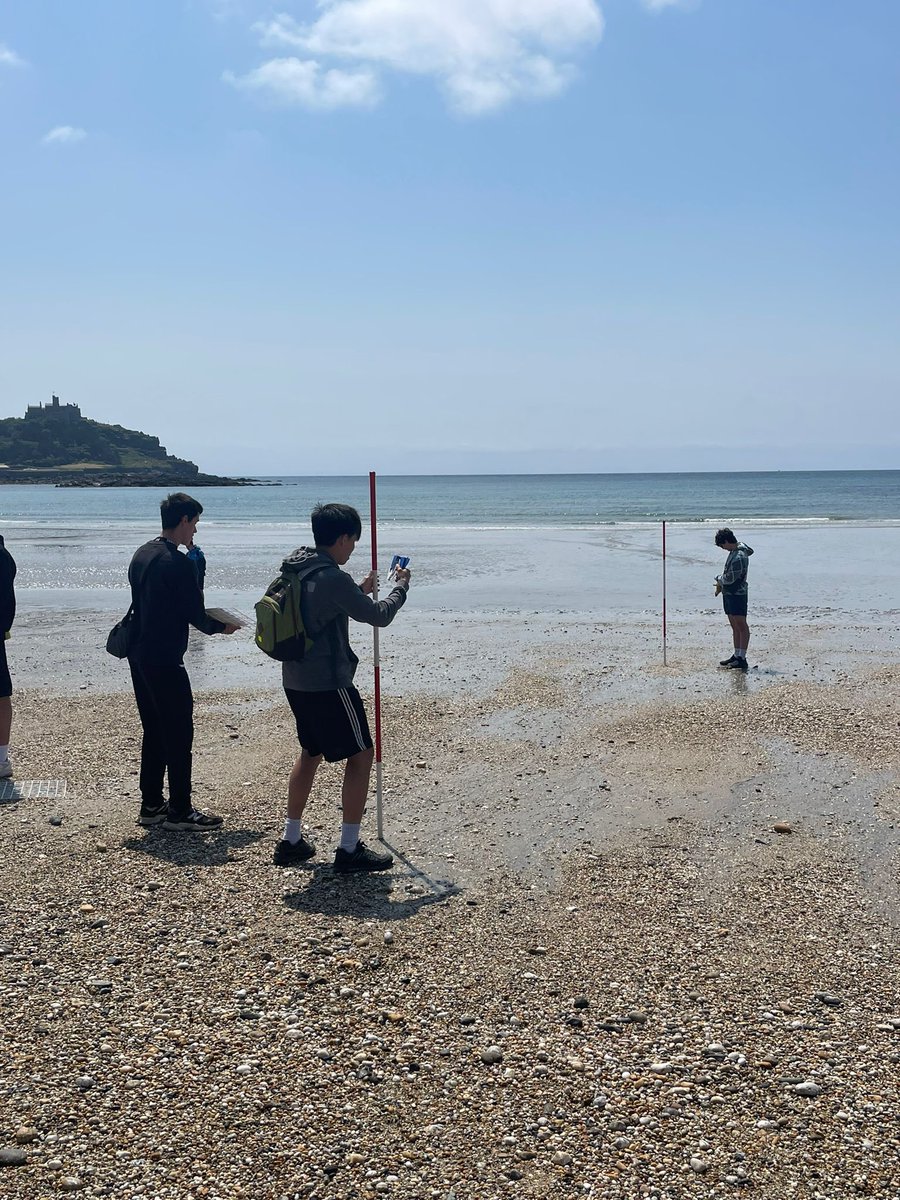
(123, 636)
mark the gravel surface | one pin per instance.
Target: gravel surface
(646, 949)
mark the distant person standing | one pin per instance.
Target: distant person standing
(732, 584)
(7, 616)
(167, 599)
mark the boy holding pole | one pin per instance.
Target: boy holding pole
(331, 720)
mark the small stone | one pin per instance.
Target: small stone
(492, 1054)
(86, 908)
(808, 1088)
(539, 950)
(575, 1021)
(55, 820)
(561, 1159)
(581, 1002)
(153, 885)
(782, 827)
(421, 764)
(636, 1016)
(83, 1082)
(101, 847)
(699, 1165)
(830, 999)
(69, 1183)
(354, 1157)
(388, 937)
(661, 1068)
(26, 1134)
(100, 985)
(466, 1019)
(12, 1156)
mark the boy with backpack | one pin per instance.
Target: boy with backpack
(317, 673)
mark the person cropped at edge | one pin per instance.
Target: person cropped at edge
(732, 584)
(328, 710)
(167, 600)
(7, 616)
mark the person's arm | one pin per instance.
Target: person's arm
(192, 599)
(348, 597)
(7, 593)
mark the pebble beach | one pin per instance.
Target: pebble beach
(640, 938)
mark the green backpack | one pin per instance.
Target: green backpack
(280, 629)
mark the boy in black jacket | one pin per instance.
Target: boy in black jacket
(167, 599)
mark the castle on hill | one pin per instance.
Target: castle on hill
(62, 412)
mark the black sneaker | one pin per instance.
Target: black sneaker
(193, 820)
(288, 853)
(361, 859)
(739, 664)
(727, 662)
(153, 814)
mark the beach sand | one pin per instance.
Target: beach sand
(596, 970)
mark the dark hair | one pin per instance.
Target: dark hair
(176, 506)
(331, 521)
(725, 536)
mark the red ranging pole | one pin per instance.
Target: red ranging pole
(378, 790)
(664, 591)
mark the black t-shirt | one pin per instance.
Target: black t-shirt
(167, 599)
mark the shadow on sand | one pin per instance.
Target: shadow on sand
(192, 849)
(370, 895)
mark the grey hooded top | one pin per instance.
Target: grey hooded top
(330, 598)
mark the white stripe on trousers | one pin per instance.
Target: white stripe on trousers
(354, 719)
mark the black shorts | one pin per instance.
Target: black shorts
(330, 723)
(5, 681)
(735, 606)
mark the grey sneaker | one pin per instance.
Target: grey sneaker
(194, 820)
(361, 859)
(6, 770)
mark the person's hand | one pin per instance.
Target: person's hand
(367, 587)
(401, 575)
(718, 590)
(231, 629)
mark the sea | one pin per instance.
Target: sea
(490, 554)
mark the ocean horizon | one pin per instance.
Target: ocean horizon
(494, 501)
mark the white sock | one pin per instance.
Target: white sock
(4, 754)
(349, 837)
(293, 830)
(739, 652)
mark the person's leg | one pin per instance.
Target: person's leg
(5, 728)
(300, 783)
(5, 721)
(735, 636)
(153, 760)
(741, 636)
(355, 790)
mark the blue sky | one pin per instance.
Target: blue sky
(425, 235)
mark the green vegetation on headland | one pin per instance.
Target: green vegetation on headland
(54, 443)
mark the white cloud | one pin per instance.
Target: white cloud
(659, 5)
(296, 81)
(483, 53)
(63, 134)
(9, 58)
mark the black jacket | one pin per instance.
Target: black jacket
(7, 590)
(167, 599)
